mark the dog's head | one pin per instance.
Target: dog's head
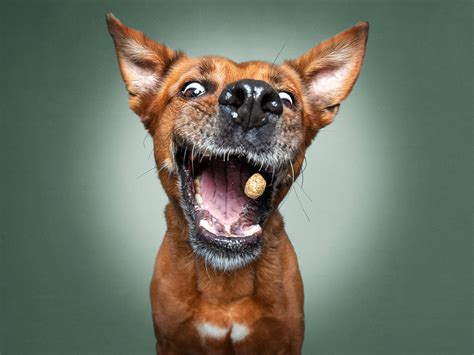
(215, 122)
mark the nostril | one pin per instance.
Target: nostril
(271, 103)
(233, 96)
(238, 97)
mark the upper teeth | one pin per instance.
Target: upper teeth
(197, 191)
(198, 198)
(197, 185)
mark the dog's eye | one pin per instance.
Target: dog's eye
(192, 90)
(286, 98)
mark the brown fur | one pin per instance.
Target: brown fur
(267, 295)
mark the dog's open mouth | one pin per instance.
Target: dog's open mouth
(213, 189)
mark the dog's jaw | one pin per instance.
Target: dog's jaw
(239, 243)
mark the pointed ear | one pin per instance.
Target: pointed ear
(143, 63)
(329, 70)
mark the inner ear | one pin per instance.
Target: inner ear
(330, 85)
(143, 63)
(140, 76)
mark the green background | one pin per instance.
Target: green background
(387, 254)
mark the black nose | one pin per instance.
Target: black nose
(251, 103)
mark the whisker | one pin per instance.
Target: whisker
(305, 162)
(292, 171)
(160, 169)
(202, 157)
(279, 52)
(207, 271)
(301, 205)
(282, 202)
(146, 172)
(192, 159)
(184, 155)
(304, 192)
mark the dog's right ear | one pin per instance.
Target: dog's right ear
(143, 64)
(329, 71)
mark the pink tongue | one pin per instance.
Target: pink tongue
(222, 190)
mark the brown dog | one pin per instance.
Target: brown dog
(226, 278)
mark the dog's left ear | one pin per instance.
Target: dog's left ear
(143, 64)
(329, 71)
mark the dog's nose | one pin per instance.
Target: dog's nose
(251, 103)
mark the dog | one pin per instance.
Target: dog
(226, 278)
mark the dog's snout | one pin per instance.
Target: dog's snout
(251, 103)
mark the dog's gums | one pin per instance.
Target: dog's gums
(226, 277)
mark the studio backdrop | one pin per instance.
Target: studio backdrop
(380, 219)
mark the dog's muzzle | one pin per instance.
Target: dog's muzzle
(250, 104)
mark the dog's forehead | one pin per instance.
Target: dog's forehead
(225, 71)
(232, 71)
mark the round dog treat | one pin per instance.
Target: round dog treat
(255, 186)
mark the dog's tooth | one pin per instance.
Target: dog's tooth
(197, 185)
(198, 198)
(252, 230)
(205, 224)
(227, 228)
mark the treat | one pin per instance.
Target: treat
(255, 186)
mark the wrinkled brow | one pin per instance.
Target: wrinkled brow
(206, 66)
(276, 76)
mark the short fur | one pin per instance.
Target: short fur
(253, 305)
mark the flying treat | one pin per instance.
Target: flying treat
(255, 186)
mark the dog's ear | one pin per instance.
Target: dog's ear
(329, 71)
(143, 64)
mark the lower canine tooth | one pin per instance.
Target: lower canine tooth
(252, 230)
(205, 224)
(198, 198)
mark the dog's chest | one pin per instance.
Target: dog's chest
(232, 322)
(242, 327)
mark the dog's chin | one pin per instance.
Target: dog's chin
(225, 253)
(226, 226)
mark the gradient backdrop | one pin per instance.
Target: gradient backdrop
(386, 251)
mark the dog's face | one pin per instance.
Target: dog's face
(215, 123)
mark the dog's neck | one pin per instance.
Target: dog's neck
(217, 286)
(260, 279)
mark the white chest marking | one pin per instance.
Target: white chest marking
(209, 330)
(238, 332)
